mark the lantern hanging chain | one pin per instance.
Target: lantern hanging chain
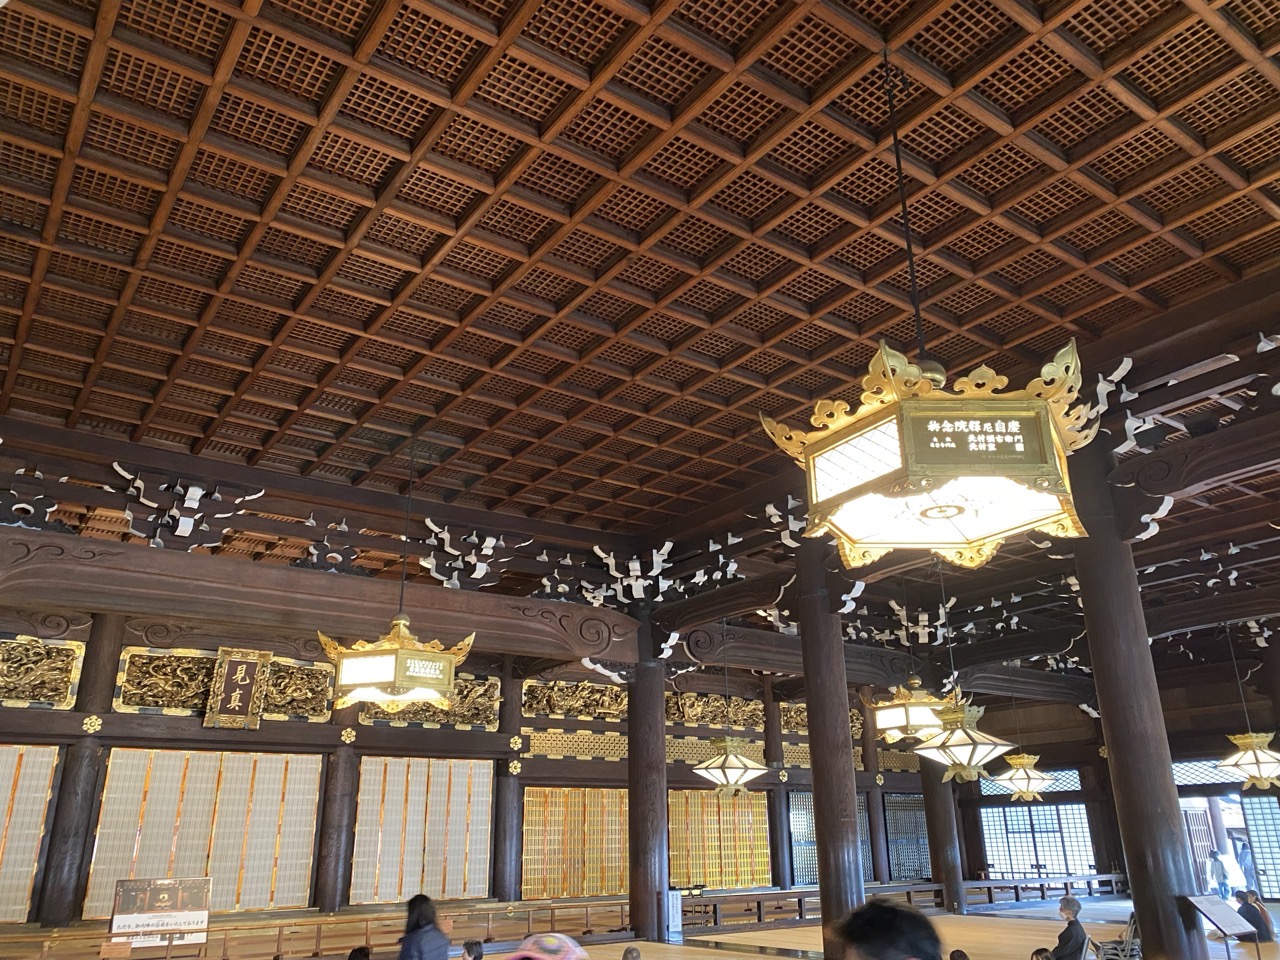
(408, 510)
(893, 76)
(946, 630)
(1235, 668)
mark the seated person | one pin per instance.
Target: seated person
(1257, 916)
(1072, 940)
(1044, 953)
(472, 950)
(958, 955)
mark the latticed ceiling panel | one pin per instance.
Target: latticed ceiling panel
(577, 247)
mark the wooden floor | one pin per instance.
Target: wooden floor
(982, 937)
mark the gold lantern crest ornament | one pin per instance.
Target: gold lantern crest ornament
(395, 671)
(956, 471)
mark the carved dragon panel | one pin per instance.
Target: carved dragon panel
(39, 674)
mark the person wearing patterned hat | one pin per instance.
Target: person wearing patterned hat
(549, 946)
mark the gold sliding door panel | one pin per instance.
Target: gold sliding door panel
(247, 820)
(422, 826)
(26, 777)
(575, 842)
(719, 842)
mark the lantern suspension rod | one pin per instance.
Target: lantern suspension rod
(946, 629)
(408, 509)
(893, 76)
(1235, 668)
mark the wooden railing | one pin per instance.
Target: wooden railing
(312, 935)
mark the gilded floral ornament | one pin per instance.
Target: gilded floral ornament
(516, 743)
(783, 776)
(91, 724)
(956, 471)
(348, 735)
(514, 768)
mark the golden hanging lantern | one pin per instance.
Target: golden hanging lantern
(1022, 778)
(396, 670)
(1254, 761)
(961, 746)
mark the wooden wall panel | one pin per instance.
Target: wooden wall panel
(26, 775)
(720, 842)
(422, 826)
(575, 842)
(175, 813)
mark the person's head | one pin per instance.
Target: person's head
(1069, 908)
(422, 913)
(1254, 896)
(1042, 954)
(1213, 854)
(958, 955)
(880, 930)
(1241, 896)
(631, 953)
(473, 950)
(1244, 847)
(549, 946)
(359, 953)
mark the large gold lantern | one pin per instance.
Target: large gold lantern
(961, 747)
(956, 471)
(730, 770)
(1254, 761)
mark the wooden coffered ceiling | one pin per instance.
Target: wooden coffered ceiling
(578, 246)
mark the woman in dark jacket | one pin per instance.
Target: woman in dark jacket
(1253, 912)
(423, 940)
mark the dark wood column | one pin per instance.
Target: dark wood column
(1269, 681)
(1155, 844)
(944, 837)
(508, 798)
(338, 820)
(80, 782)
(779, 812)
(647, 783)
(835, 799)
(876, 827)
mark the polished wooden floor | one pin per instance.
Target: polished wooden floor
(981, 937)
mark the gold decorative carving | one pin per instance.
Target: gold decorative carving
(295, 691)
(879, 779)
(348, 735)
(795, 716)
(583, 701)
(516, 743)
(175, 682)
(39, 673)
(514, 768)
(474, 704)
(91, 724)
(783, 776)
(692, 709)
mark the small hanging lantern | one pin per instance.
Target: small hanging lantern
(1254, 762)
(912, 713)
(1022, 777)
(729, 769)
(961, 746)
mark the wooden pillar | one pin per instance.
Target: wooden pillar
(1218, 828)
(1141, 767)
(778, 810)
(338, 820)
(877, 827)
(835, 799)
(508, 797)
(647, 783)
(80, 782)
(1269, 681)
(944, 837)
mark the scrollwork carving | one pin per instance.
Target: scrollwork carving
(159, 633)
(35, 672)
(587, 701)
(53, 626)
(475, 703)
(795, 717)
